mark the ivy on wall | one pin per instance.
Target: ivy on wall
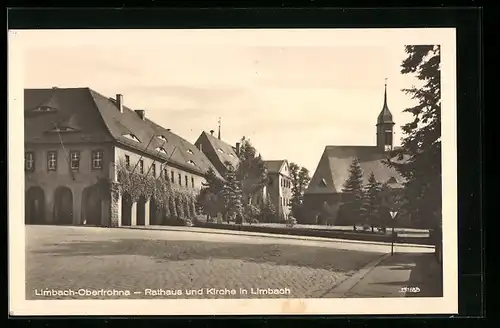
(175, 204)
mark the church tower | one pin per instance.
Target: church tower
(385, 126)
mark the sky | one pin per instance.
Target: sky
(290, 93)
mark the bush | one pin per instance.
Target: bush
(291, 221)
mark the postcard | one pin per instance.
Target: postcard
(232, 172)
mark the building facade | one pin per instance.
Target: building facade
(75, 140)
(325, 188)
(279, 187)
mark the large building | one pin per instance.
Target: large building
(278, 189)
(75, 138)
(332, 171)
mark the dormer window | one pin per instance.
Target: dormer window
(220, 150)
(189, 151)
(161, 150)
(322, 183)
(191, 162)
(60, 129)
(44, 109)
(231, 155)
(162, 138)
(132, 137)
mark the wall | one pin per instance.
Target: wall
(280, 195)
(49, 181)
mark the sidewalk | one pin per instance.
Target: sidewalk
(263, 234)
(400, 275)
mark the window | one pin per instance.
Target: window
(127, 161)
(52, 160)
(141, 166)
(162, 138)
(220, 150)
(323, 183)
(180, 179)
(191, 162)
(281, 200)
(231, 155)
(74, 160)
(132, 137)
(172, 179)
(192, 182)
(161, 150)
(153, 170)
(97, 156)
(270, 181)
(165, 173)
(186, 180)
(189, 151)
(29, 161)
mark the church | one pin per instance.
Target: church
(325, 187)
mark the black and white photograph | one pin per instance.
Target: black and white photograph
(257, 171)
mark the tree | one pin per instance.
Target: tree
(251, 171)
(419, 158)
(210, 199)
(268, 211)
(300, 179)
(353, 193)
(372, 201)
(232, 194)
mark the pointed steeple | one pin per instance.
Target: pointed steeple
(385, 115)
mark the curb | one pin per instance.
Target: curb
(269, 235)
(345, 286)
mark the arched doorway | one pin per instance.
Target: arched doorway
(34, 206)
(141, 211)
(154, 213)
(126, 209)
(63, 206)
(91, 206)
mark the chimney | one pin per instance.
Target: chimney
(238, 148)
(141, 113)
(212, 132)
(119, 102)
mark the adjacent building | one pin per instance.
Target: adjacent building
(332, 171)
(74, 140)
(279, 187)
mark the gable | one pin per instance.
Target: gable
(333, 168)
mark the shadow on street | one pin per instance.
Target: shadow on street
(176, 250)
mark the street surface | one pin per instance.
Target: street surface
(160, 263)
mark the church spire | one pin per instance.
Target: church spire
(385, 115)
(385, 125)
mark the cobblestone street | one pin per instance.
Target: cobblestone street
(74, 258)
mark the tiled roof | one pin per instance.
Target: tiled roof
(224, 151)
(333, 168)
(99, 120)
(274, 166)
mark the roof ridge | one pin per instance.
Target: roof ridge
(91, 93)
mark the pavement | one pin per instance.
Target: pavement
(64, 258)
(399, 275)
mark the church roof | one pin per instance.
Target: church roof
(92, 117)
(385, 115)
(333, 168)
